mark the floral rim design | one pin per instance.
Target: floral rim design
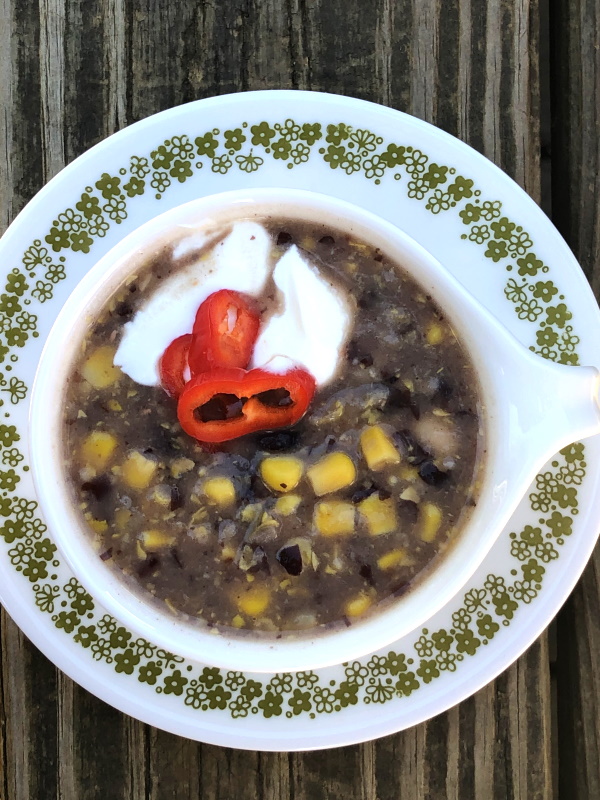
(534, 296)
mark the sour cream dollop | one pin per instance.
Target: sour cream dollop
(314, 324)
(240, 261)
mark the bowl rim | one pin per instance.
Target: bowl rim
(326, 648)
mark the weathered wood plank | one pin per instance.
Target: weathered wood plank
(87, 69)
(575, 95)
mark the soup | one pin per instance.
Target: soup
(240, 508)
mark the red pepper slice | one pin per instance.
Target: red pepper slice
(172, 364)
(225, 404)
(225, 331)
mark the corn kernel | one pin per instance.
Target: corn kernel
(228, 553)
(219, 491)
(334, 517)
(380, 515)
(281, 473)
(378, 449)
(409, 473)
(394, 558)
(434, 333)
(98, 448)
(114, 405)
(358, 606)
(180, 466)
(254, 601)
(431, 517)
(332, 472)
(98, 525)
(99, 369)
(162, 495)
(155, 539)
(122, 517)
(287, 504)
(237, 621)
(138, 470)
(410, 493)
(250, 512)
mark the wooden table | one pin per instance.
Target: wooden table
(519, 80)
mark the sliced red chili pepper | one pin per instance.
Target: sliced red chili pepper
(225, 404)
(173, 363)
(224, 332)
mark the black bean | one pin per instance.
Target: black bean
(278, 442)
(283, 237)
(366, 572)
(431, 474)
(414, 452)
(100, 487)
(327, 240)
(176, 499)
(148, 567)
(408, 511)
(290, 559)
(367, 299)
(365, 491)
(106, 554)
(124, 310)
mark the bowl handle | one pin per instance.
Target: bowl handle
(547, 406)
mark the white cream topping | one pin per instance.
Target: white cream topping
(313, 325)
(240, 262)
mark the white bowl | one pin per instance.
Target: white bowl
(530, 407)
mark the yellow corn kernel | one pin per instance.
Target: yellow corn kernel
(114, 405)
(434, 333)
(395, 558)
(161, 495)
(228, 553)
(378, 449)
(98, 525)
(358, 606)
(98, 448)
(431, 519)
(180, 466)
(380, 515)
(122, 517)
(99, 369)
(410, 493)
(287, 504)
(250, 512)
(219, 491)
(155, 539)
(254, 601)
(409, 473)
(138, 471)
(332, 472)
(281, 473)
(333, 517)
(237, 622)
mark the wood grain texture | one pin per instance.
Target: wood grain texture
(73, 72)
(575, 45)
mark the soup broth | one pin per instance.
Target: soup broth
(315, 524)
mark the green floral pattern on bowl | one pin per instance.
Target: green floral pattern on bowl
(529, 288)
